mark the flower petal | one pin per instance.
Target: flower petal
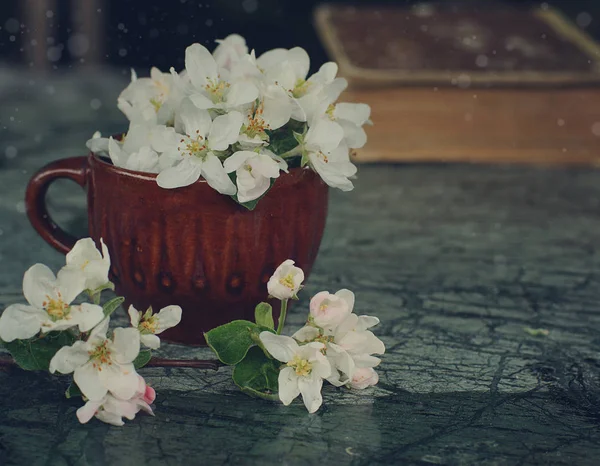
(354, 136)
(355, 113)
(116, 154)
(71, 285)
(225, 130)
(366, 322)
(201, 101)
(134, 316)
(240, 93)
(288, 385)
(150, 341)
(84, 250)
(183, 174)
(88, 411)
(299, 61)
(200, 65)
(69, 358)
(163, 138)
(195, 121)
(38, 285)
(19, 322)
(281, 347)
(271, 58)
(306, 333)
(215, 175)
(310, 388)
(277, 108)
(90, 315)
(237, 159)
(324, 135)
(260, 187)
(145, 160)
(168, 317)
(98, 333)
(365, 360)
(87, 378)
(120, 380)
(126, 342)
(347, 296)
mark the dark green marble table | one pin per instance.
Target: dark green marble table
(456, 260)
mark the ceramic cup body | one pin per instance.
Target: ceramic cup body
(189, 246)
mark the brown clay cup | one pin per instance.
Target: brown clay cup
(189, 246)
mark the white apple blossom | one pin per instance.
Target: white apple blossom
(112, 410)
(364, 377)
(186, 157)
(272, 92)
(254, 171)
(273, 111)
(327, 156)
(354, 337)
(350, 116)
(150, 325)
(102, 364)
(289, 69)
(306, 367)
(152, 100)
(85, 260)
(49, 306)
(329, 310)
(286, 281)
(349, 344)
(230, 51)
(134, 151)
(210, 89)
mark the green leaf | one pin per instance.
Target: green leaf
(282, 140)
(231, 342)
(100, 289)
(142, 359)
(263, 315)
(35, 354)
(73, 391)
(257, 375)
(112, 305)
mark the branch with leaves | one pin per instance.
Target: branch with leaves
(56, 333)
(335, 345)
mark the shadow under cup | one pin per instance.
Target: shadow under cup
(189, 246)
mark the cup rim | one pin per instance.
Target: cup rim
(107, 165)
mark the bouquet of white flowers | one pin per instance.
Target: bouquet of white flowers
(238, 121)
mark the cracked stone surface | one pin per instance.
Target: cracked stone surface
(456, 260)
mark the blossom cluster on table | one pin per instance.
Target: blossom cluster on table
(335, 345)
(238, 121)
(56, 333)
(60, 332)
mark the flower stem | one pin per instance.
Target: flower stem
(292, 153)
(282, 314)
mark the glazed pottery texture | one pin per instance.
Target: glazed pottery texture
(189, 246)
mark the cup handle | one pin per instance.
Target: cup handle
(74, 168)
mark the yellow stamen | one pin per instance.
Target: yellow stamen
(100, 355)
(288, 281)
(57, 309)
(302, 367)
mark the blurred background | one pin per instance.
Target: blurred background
(62, 34)
(64, 62)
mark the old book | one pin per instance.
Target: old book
(451, 82)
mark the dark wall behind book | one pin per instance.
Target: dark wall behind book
(142, 33)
